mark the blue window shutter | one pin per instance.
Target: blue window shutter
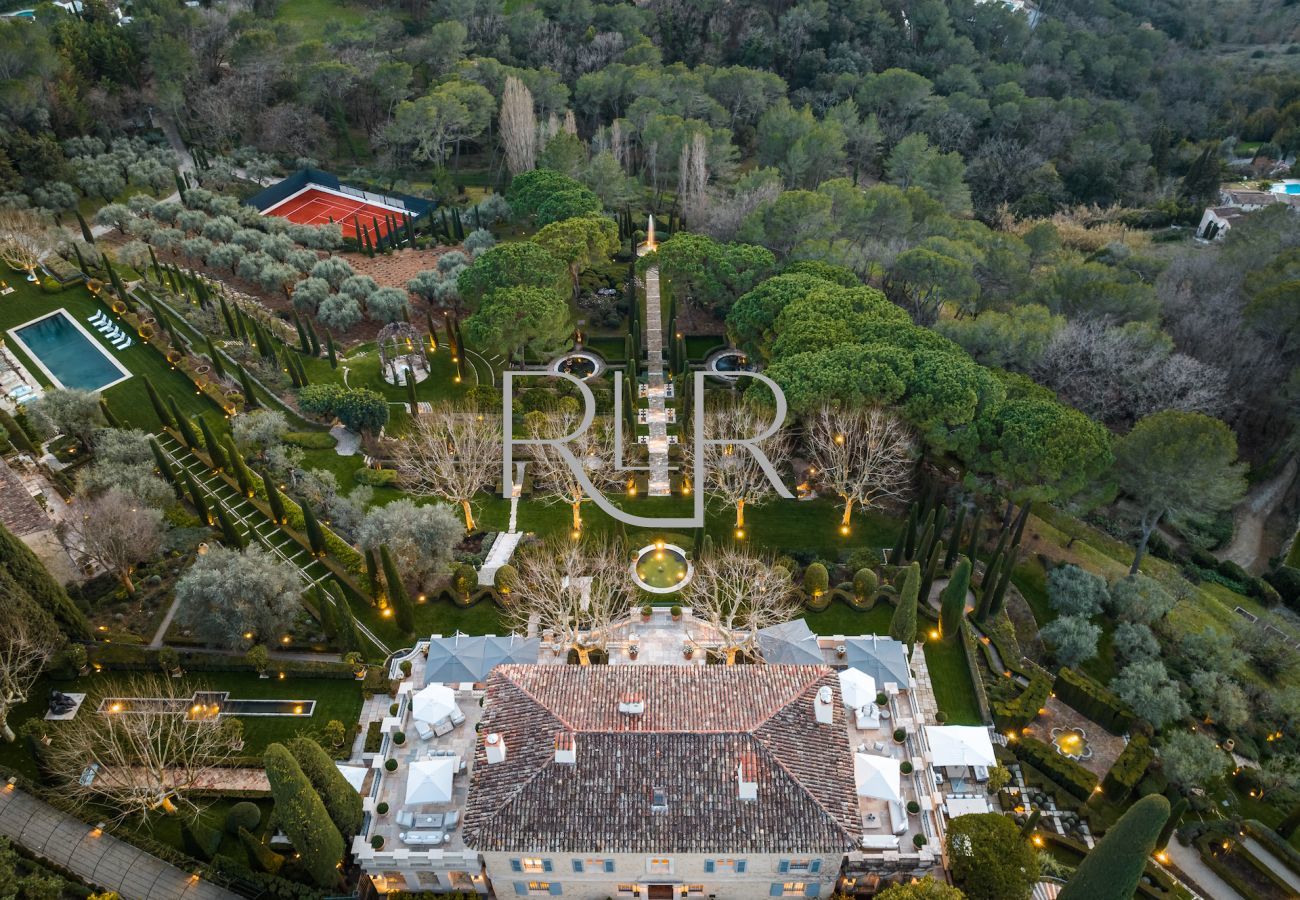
(708, 865)
(609, 865)
(777, 890)
(784, 866)
(741, 865)
(577, 865)
(521, 888)
(556, 889)
(516, 866)
(547, 866)
(815, 867)
(812, 889)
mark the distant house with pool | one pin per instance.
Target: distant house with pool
(1235, 203)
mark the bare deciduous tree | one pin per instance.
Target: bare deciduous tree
(24, 238)
(732, 473)
(141, 758)
(573, 591)
(593, 449)
(864, 455)
(451, 453)
(24, 649)
(114, 530)
(738, 594)
(693, 179)
(518, 127)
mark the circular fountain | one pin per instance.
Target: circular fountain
(580, 363)
(725, 364)
(1072, 743)
(661, 568)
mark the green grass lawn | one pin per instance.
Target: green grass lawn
(840, 618)
(950, 676)
(128, 400)
(311, 18)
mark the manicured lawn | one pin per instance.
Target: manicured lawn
(950, 676)
(128, 400)
(312, 18)
(840, 618)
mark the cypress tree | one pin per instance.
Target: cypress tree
(304, 817)
(1031, 823)
(261, 858)
(165, 467)
(217, 366)
(286, 363)
(996, 559)
(1021, 520)
(274, 498)
(229, 533)
(30, 574)
(341, 800)
(952, 602)
(349, 633)
(303, 343)
(153, 261)
(1113, 868)
(17, 434)
(315, 535)
(86, 233)
(931, 569)
(972, 551)
(263, 340)
(81, 262)
(313, 340)
(954, 539)
(1000, 587)
(185, 427)
(111, 419)
(911, 547)
(329, 349)
(242, 326)
(1289, 825)
(372, 572)
(242, 476)
(940, 521)
(328, 624)
(921, 553)
(197, 498)
(900, 543)
(403, 610)
(410, 395)
(212, 445)
(902, 625)
(245, 382)
(1175, 816)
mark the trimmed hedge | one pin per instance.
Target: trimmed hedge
(1067, 773)
(340, 798)
(304, 818)
(1016, 714)
(1129, 769)
(139, 658)
(311, 440)
(1092, 699)
(1114, 867)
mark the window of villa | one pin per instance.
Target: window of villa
(542, 888)
(593, 864)
(659, 865)
(789, 889)
(695, 889)
(800, 865)
(627, 889)
(725, 866)
(536, 864)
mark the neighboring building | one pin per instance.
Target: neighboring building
(1235, 203)
(663, 781)
(1216, 221)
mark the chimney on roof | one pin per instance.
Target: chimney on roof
(824, 705)
(747, 777)
(495, 744)
(631, 704)
(566, 748)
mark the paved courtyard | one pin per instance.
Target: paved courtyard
(1105, 747)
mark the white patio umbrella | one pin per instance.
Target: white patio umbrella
(877, 776)
(857, 687)
(433, 703)
(429, 780)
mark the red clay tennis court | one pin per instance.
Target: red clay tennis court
(316, 206)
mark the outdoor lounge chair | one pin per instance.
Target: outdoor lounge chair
(423, 730)
(97, 317)
(457, 717)
(122, 343)
(406, 818)
(451, 820)
(106, 326)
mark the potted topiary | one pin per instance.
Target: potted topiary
(405, 666)
(905, 768)
(677, 613)
(632, 650)
(918, 841)
(913, 807)
(881, 699)
(377, 841)
(688, 649)
(900, 735)
(390, 765)
(381, 808)
(399, 738)
(392, 709)
(646, 612)
(941, 717)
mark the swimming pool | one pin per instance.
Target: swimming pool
(67, 354)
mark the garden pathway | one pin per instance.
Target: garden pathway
(656, 391)
(1246, 547)
(1196, 875)
(100, 859)
(255, 525)
(1275, 865)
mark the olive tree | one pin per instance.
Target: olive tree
(229, 597)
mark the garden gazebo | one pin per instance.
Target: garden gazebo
(402, 354)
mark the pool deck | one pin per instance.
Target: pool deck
(85, 332)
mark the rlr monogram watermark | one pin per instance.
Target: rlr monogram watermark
(561, 446)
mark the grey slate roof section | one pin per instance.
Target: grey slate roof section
(698, 723)
(464, 658)
(884, 659)
(790, 643)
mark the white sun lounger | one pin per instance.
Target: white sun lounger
(122, 343)
(97, 317)
(106, 325)
(20, 391)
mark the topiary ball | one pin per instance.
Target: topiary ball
(243, 815)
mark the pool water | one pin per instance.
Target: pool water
(69, 357)
(1292, 188)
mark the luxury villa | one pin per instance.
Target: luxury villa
(659, 776)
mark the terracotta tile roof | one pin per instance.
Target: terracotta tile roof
(699, 723)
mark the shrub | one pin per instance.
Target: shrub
(311, 440)
(647, 610)
(918, 840)
(913, 807)
(405, 666)
(303, 816)
(1089, 697)
(865, 584)
(816, 580)
(335, 733)
(900, 735)
(374, 738)
(1286, 579)
(905, 767)
(1016, 714)
(382, 808)
(1114, 867)
(261, 858)
(399, 738)
(392, 709)
(243, 815)
(375, 477)
(1067, 773)
(390, 765)
(341, 800)
(377, 841)
(1129, 768)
